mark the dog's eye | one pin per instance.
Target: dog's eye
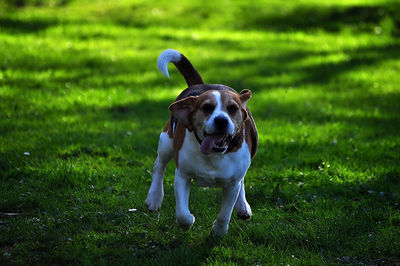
(232, 109)
(207, 108)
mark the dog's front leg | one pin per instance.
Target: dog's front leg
(229, 197)
(164, 155)
(182, 189)
(243, 209)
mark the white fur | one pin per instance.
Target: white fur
(213, 170)
(182, 188)
(165, 57)
(242, 207)
(209, 124)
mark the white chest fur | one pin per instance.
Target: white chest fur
(215, 169)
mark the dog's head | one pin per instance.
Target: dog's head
(215, 116)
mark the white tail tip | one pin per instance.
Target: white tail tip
(165, 57)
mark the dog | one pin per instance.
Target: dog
(213, 138)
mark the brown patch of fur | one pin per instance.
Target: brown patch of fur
(168, 128)
(182, 110)
(239, 141)
(179, 136)
(241, 119)
(229, 98)
(251, 135)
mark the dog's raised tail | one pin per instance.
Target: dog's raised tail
(192, 77)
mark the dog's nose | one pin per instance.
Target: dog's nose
(220, 123)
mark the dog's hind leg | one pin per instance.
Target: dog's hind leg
(243, 210)
(164, 155)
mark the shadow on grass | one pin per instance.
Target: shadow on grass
(361, 17)
(363, 206)
(384, 123)
(267, 67)
(259, 73)
(19, 26)
(383, 18)
(178, 251)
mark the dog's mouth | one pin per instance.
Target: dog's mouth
(216, 142)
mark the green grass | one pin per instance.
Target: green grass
(82, 105)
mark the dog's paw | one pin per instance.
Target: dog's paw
(154, 200)
(243, 210)
(219, 228)
(185, 221)
(244, 214)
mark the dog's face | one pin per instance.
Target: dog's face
(215, 116)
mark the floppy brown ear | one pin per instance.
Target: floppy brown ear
(245, 114)
(181, 110)
(245, 95)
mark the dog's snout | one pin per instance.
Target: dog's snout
(221, 123)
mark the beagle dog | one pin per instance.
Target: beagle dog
(212, 137)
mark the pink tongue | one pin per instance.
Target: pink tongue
(208, 143)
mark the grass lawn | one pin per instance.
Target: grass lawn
(82, 105)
